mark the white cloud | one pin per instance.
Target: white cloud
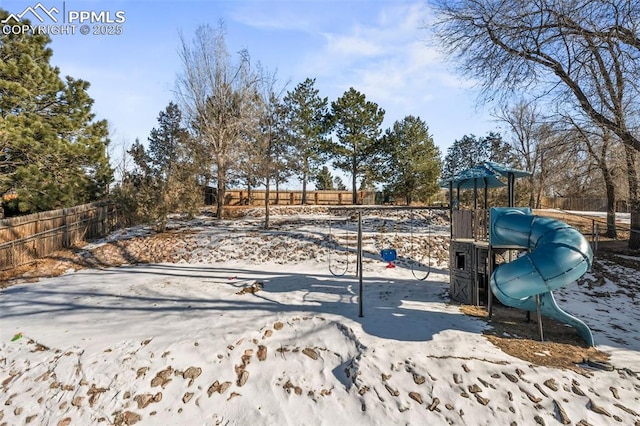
(384, 59)
(390, 60)
(280, 19)
(351, 46)
(378, 47)
(303, 16)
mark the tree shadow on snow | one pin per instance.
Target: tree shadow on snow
(405, 310)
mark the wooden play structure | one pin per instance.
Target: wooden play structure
(470, 258)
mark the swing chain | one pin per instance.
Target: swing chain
(334, 247)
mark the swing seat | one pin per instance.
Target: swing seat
(388, 255)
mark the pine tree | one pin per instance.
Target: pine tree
(412, 164)
(52, 150)
(173, 168)
(470, 151)
(168, 141)
(164, 179)
(307, 123)
(324, 180)
(338, 184)
(357, 125)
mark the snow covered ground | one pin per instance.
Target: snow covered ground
(252, 328)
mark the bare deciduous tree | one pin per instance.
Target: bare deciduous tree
(216, 95)
(268, 131)
(584, 53)
(531, 138)
(598, 143)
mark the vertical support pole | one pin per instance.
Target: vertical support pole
(474, 274)
(475, 194)
(451, 210)
(359, 263)
(14, 263)
(486, 193)
(490, 292)
(511, 187)
(539, 318)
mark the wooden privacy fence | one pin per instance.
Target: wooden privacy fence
(338, 198)
(26, 238)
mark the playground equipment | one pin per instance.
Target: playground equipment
(541, 254)
(388, 254)
(557, 254)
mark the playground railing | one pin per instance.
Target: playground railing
(470, 224)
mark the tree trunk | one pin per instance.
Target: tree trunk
(634, 198)
(634, 238)
(277, 192)
(354, 191)
(354, 182)
(220, 192)
(609, 183)
(305, 178)
(542, 178)
(304, 189)
(532, 191)
(540, 190)
(267, 179)
(267, 194)
(611, 205)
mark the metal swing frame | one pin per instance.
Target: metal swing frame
(359, 209)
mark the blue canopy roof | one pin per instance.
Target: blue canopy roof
(483, 176)
(504, 170)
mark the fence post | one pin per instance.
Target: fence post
(65, 231)
(38, 241)
(103, 224)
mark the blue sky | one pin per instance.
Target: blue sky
(379, 47)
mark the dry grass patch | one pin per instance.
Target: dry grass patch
(50, 266)
(514, 335)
